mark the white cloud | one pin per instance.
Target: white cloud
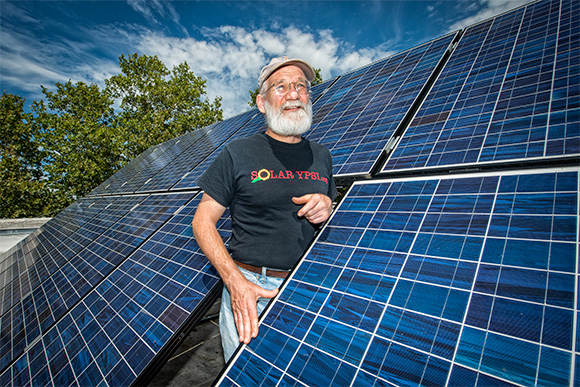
(230, 58)
(491, 8)
(140, 6)
(158, 12)
(151, 9)
(19, 66)
(31, 59)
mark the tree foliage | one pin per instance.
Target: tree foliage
(22, 190)
(79, 135)
(83, 145)
(254, 93)
(158, 104)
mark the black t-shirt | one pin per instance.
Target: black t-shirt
(257, 177)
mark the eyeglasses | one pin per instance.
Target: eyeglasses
(301, 87)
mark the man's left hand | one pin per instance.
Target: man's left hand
(316, 209)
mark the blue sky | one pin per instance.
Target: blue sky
(225, 42)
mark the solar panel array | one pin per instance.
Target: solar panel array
(164, 167)
(509, 92)
(140, 163)
(422, 278)
(106, 313)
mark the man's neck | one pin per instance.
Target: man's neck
(281, 138)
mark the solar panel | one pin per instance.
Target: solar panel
(509, 92)
(189, 180)
(356, 116)
(184, 162)
(464, 280)
(164, 164)
(140, 163)
(115, 332)
(54, 284)
(148, 172)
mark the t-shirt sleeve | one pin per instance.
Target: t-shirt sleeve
(332, 191)
(218, 180)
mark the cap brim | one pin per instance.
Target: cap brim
(302, 65)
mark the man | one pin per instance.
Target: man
(278, 186)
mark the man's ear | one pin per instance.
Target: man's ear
(260, 103)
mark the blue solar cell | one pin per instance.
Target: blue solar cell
(447, 305)
(506, 94)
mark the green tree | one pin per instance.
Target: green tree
(23, 190)
(77, 130)
(76, 137)
(158, 104)
(254, 93)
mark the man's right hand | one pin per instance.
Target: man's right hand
(244, 296)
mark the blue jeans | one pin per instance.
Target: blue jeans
(228, 330)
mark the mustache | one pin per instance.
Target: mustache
(292, 105)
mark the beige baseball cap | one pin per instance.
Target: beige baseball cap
(282, 61)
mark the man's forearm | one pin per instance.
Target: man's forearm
(212, 245)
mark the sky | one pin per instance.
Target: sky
(45, 42)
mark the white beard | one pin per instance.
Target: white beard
(289, 123)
